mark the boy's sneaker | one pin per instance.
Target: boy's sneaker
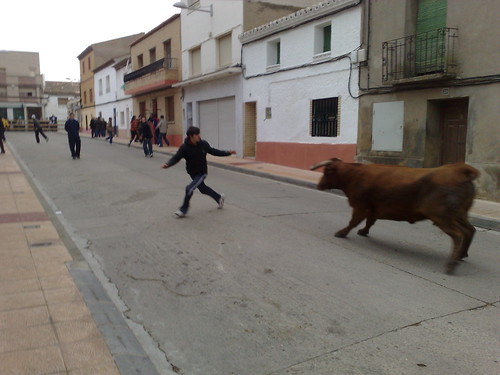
(221, 202)
(179, 213)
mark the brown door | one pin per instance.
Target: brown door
(454, 131)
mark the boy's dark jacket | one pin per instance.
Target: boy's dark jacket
(196, 156)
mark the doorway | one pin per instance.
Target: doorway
(446, 135)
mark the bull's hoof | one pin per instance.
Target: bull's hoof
(363, 232)
(450, 267)
(341, 234)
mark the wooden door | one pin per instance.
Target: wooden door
(454, 131)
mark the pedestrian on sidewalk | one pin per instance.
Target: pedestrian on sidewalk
(195, 150)
(2, 135)
(110, 130)
(72, 127)
(162, 128)
(38, 129)
(134, 127)
(147, 137)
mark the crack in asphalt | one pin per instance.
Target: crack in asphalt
(397, 329)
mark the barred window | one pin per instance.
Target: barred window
(325, 117)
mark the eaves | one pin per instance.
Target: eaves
(302, 16)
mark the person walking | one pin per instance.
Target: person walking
(162, 127)
(72, 127)
(38, 130)
(194, 150)
(2, 136)
(110, 130)
(147, 137)
(134, 126)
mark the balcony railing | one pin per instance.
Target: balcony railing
(428, 55)
(168, 64)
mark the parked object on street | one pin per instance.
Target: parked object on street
(443, 195)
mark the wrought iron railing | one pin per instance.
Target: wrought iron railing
(168, 64)
(419, 55)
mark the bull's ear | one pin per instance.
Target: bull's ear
(319, 165)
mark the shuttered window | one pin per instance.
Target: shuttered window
(195, 61)
(225, 51)
(430, 44)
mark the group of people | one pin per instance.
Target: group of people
(194, 150)
(142, 130)
(99, 127)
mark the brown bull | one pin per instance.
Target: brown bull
(443, 195)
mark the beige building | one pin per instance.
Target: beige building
(94, 56)
(430, 83)
(156, 62)
(21, 86)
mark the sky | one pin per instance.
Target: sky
(59, 30)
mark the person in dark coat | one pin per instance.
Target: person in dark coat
(72, 127)
(147, 137)
(38, 129)
(2, 135)
(195, 151)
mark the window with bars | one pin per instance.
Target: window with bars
(325, 117)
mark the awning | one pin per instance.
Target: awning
(11, 105)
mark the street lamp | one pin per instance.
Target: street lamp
(181, 5)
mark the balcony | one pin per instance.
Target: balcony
(160, 74)
(421, 57)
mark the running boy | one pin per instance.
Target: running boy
(195, 150)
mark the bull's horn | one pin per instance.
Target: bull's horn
(319, 165)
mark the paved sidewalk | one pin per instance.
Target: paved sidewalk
(45, 325)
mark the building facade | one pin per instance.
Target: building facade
(21, 86)
(431, 86)
(212, 80)
(57, 96)
(301, 85)
(111, 100)
(156, 61)
(94, 56)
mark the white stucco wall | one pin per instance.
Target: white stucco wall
(227, 16)
(115, 101)
(301, 79)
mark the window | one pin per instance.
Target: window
(225, 50)
(100, 87)
(167, 51)
(108, 85)
(88, 61)
(91, 96)
(152, 55)
(140, 61)
(85, 97)
(195, 55)
(273, 52)
(62, 101)
(169, 106)
(322, 39)
(83, 67)
(325, 117)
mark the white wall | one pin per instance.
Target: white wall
(115, 99)
(290, 91)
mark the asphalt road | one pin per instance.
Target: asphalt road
(263, 287)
